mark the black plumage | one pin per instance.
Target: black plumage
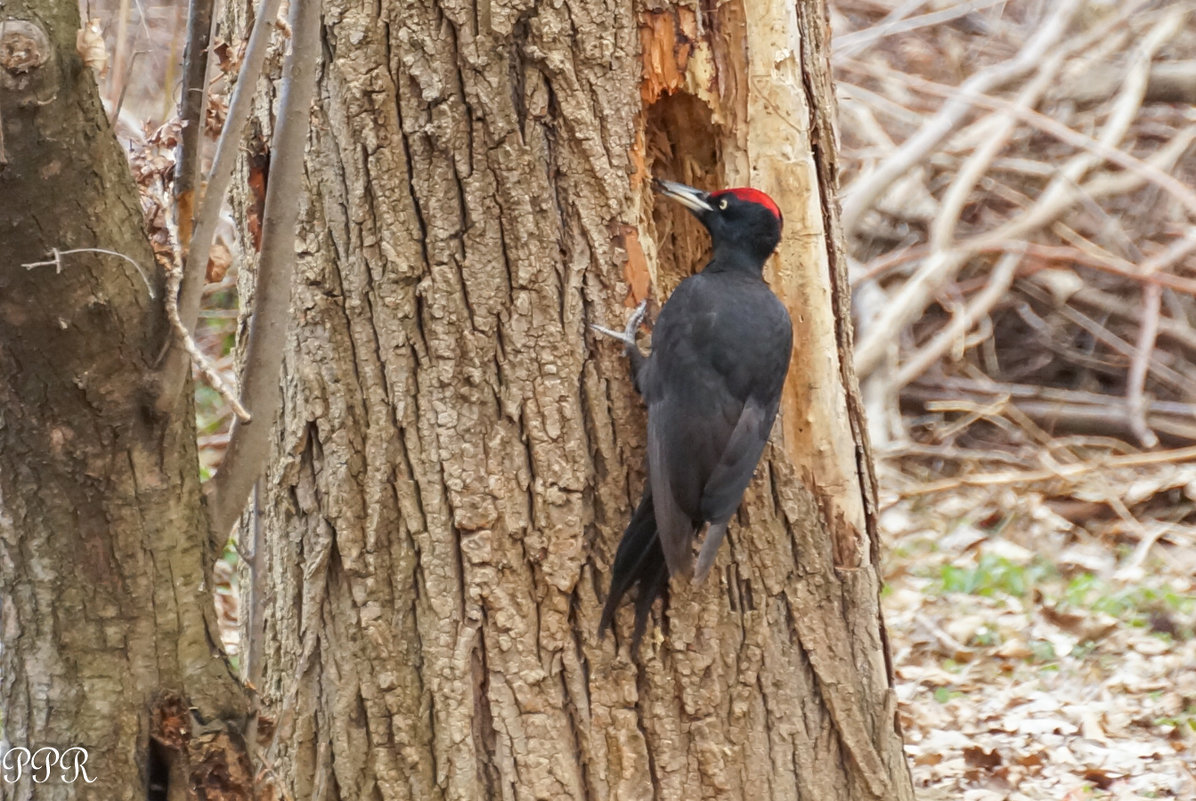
(712, 384)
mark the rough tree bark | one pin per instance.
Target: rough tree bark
(108, 627)
(458, 455)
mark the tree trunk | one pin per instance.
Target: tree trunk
(105, 611)
(459, 455)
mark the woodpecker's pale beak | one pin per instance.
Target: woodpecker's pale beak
(695, 200)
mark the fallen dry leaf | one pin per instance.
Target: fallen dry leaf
(89, 41)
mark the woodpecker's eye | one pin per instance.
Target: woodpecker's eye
(722, 204)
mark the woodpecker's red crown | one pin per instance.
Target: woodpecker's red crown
(749, 195)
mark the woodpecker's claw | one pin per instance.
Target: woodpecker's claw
(610, 332)
(627, 335)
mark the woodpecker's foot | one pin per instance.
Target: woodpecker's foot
(627, 335)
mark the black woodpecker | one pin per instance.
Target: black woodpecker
(720, 351)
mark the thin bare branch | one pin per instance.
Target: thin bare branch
(997, 132)
(1152, 296)
(1034, 408)
(249, 443)
(998, 285)
(1157, 368)
(852, 43)
(1170, 82)
(192, 104)
(928, 390)
(1178, 455)
(1179, 333)
(1135, 389)
(175, 364)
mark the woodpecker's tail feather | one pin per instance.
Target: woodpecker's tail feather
(639, 561)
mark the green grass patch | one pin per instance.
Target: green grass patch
(995, 575)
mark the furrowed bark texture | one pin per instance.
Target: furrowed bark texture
(105, 614)
(458, 455)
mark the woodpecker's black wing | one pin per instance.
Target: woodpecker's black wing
(720, 351)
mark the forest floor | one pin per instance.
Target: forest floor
(1043, 646)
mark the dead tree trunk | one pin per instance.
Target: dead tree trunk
(105, 607)
(458, 455)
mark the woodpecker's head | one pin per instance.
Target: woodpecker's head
(742, 222)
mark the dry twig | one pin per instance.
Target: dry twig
(1062, 472)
